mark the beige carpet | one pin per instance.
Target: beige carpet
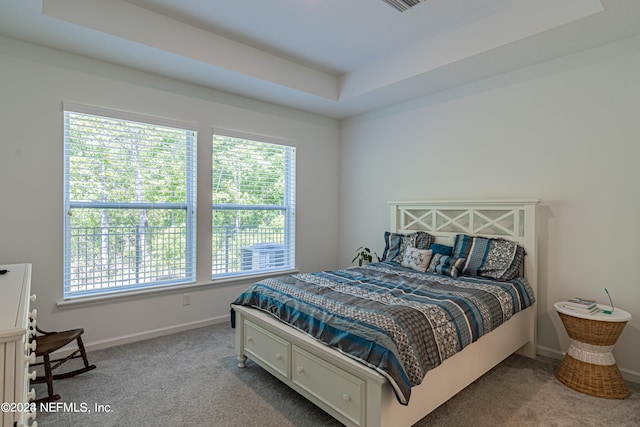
(191, 379)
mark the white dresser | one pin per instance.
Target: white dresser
(17, 323)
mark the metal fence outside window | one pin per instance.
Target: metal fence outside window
(115, 256)
(238, 249)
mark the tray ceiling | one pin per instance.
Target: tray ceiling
(336, 58)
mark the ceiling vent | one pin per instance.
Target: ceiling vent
(402, 5)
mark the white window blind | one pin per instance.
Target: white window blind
(130, 202)
(253, 204)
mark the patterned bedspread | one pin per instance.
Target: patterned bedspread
(396, 320)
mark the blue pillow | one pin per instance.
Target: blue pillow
(441, 249)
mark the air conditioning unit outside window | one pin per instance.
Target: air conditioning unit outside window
(262, 256)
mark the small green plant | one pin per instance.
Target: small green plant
(364, 256)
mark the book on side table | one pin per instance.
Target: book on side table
(581, 305)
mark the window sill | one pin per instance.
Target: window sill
(235, 280)
(166, 290)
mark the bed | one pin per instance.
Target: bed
(385, 383)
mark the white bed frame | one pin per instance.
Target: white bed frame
(359, 396)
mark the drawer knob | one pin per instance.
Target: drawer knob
(299, 369)
(32, 375)
(32, 345)
(34, 314)
(32, 298)
(31, 358)
(346, 397)
(32, 394)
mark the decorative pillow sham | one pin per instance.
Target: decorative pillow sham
(446, 265)
(396, 244)
(423, 240)
(495, 258)
(417, 259)
(441, 249)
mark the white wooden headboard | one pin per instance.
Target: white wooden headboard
(509, 219)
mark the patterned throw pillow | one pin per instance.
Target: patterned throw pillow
(446, 265)
(417, 259)
(495, 258)
(395, 244)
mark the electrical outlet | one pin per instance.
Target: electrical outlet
(186, 299)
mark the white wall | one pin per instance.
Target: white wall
(566, 132)
(34, 81)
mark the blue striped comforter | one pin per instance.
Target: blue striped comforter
(398, 321)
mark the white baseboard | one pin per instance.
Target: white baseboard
(154, 333)
(140, 336)
(550, 352)
(627, 374)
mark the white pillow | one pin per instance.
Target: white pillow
(417, 259)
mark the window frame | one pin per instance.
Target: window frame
(189, 205)
(288, 208)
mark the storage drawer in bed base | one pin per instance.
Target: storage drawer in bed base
(265, 347)
(340, 386)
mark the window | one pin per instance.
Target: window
(253, 204)
(129, 202)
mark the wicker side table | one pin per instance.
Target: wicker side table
(589, 366)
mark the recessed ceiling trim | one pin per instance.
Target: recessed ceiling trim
(135, 24)
(402, 5)
(476, 38)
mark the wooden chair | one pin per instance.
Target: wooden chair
(49, 342)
